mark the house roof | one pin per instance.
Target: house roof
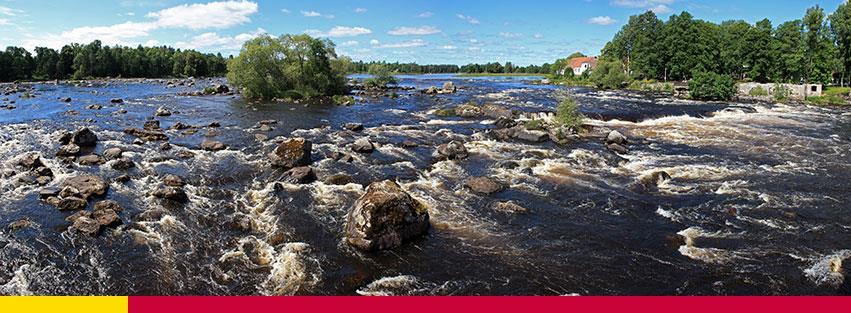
(577, 62)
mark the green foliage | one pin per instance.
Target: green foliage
(758, 91)
(381, 76)
(609, 75)
(96, 60)
(289, 66)
(837, 91)
(343, 100)
(711, 86)
(827, 100)
(781, 93)
(568, 115)
(534, 125)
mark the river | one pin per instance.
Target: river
(756, 203)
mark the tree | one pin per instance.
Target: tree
(287, 66)
(789, 62)
(840, 25)
(636, 45)
(820, 51)
(381, 76)
(758, 51)
(609, 74)
(711, 86)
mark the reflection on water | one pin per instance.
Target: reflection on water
(755, 203)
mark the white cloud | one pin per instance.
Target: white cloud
(374, 42)
(219, 15)
(350, 43)
(406, 31)
(311, 13)
(339, 31)
(661, 9)
(212, 15)
(406, 44)
(152, 43)
(216, 41)
(601, 20)
(657, 6)
(468, 19)
(510, 35)
(360, 10)
(538, 36)
(7, 11)
(4, 22)
(426, 14)
(448, 47)
(285, 11)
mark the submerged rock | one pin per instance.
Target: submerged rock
(90, 160)
(123, 164)
(338, 180)
(385, 217)
(497, 111)
(483, 185)
(147, 135)
(355, 127)
(454, 150)
(508, 207)
(617, 148)
(292, 153)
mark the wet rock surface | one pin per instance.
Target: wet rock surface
(385, 217)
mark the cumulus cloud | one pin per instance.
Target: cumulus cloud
(216, 41)
(286, 11)
(405, 44)
(420, 31)
(468, 19)
(374, 42)
(213, 15)
(360, 10)
(204, 16)
(601, 20)
(339, 31)
(4, 22)
(426, 14)
(311, 14)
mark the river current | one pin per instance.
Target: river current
(757, 202)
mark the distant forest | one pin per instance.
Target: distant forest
(413, 68)
(93, 60)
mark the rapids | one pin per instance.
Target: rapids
(757, 202)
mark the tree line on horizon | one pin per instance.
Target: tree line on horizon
(815, 49)
(472, 68)
(95, 60)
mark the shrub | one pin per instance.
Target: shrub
(609, 75)
(711, 86)
(534, 125)
(343, 100)
(781, 93)
(270, 67)
(568, 115)
(837, 91)
(381, 76)
(758, 91)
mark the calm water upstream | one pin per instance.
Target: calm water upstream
(757, 203)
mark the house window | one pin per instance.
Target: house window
(814, 88)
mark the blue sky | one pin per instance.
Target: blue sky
(437, 31)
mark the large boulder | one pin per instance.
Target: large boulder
(85, 137)
(175, 194)
(449, 87)
(454, 150)
(385, 217)
(300, 175)
(468, 111)
(88, 185)
(292, 153)
(616, 137)
(113, 153)
(212, 145)
(496, 111)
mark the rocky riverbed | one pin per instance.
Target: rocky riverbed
(180, 187)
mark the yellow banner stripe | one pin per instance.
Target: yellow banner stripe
(63, 304)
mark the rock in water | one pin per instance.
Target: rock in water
(171, 193)
(162, 111)
(71, 204)
(300, 175)
(88, 185)
(68, 150)
(173, 180)
(90, 160)
(449, 87)
(292, 153)
(468, 111)
(483, 185)
(212, 145)
(355, 127)
(363, 145)
(85, 137)
(385, 217)
(616, 137)
(112, 153)
(616, 148)
(86, 226)
(452, 151)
